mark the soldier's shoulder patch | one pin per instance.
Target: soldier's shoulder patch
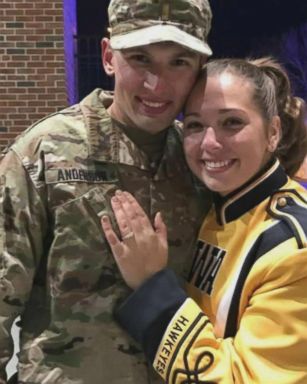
(290, 207)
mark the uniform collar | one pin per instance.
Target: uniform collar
(237, 203)
(109, 143)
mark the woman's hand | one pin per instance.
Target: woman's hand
(142, 250)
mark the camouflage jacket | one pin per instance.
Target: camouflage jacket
(56, 270)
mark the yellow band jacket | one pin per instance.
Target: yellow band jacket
(243, 316)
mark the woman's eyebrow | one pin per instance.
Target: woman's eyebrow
(195, 114)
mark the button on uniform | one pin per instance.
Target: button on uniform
(282, 202)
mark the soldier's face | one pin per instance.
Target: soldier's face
(151, 83)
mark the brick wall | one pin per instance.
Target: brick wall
(32, 63)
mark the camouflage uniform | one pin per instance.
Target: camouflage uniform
(56, 269)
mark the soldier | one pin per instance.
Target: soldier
(57, 271)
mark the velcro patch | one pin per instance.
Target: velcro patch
(66, 175)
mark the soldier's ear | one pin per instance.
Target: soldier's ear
(107, 56)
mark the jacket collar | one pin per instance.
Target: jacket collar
(242, 200)
(109, 143)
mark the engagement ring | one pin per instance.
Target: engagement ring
(128, 236)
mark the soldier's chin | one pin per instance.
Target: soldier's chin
(154, 124)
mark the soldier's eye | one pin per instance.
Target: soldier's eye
(142, 59)
(181, 62)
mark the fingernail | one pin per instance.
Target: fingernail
(118, 192)
(104, 219)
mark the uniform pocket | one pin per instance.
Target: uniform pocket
(80, 260)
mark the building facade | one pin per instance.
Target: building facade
(32, 63)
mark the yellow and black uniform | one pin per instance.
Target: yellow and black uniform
(245, 319)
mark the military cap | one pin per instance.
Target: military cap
(135, 23)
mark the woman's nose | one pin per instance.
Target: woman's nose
(210, 140)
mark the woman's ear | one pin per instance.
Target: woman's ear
(274, 134)
(107, 56)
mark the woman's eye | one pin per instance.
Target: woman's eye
(232, 122)
(193, 126)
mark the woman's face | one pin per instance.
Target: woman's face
(226, 139)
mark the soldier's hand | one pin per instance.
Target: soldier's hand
(142, 250)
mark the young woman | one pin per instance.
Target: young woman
(243, 318)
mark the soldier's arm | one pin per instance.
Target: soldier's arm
(22, 222)
(270, 343)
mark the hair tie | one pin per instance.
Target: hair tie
(293, 106)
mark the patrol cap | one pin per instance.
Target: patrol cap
(134, 23)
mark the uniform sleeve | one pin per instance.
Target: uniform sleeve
(269, 346)
(22, 222)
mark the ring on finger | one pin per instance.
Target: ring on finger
(128, 236)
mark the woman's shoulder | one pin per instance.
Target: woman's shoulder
(289, 207)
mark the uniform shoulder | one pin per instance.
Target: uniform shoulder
(53, 131)
(289, 207)
(68, 125)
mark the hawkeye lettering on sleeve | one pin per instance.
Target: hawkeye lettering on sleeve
(206, 264)
(174, 334)
(92, 176)
(177, 336)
